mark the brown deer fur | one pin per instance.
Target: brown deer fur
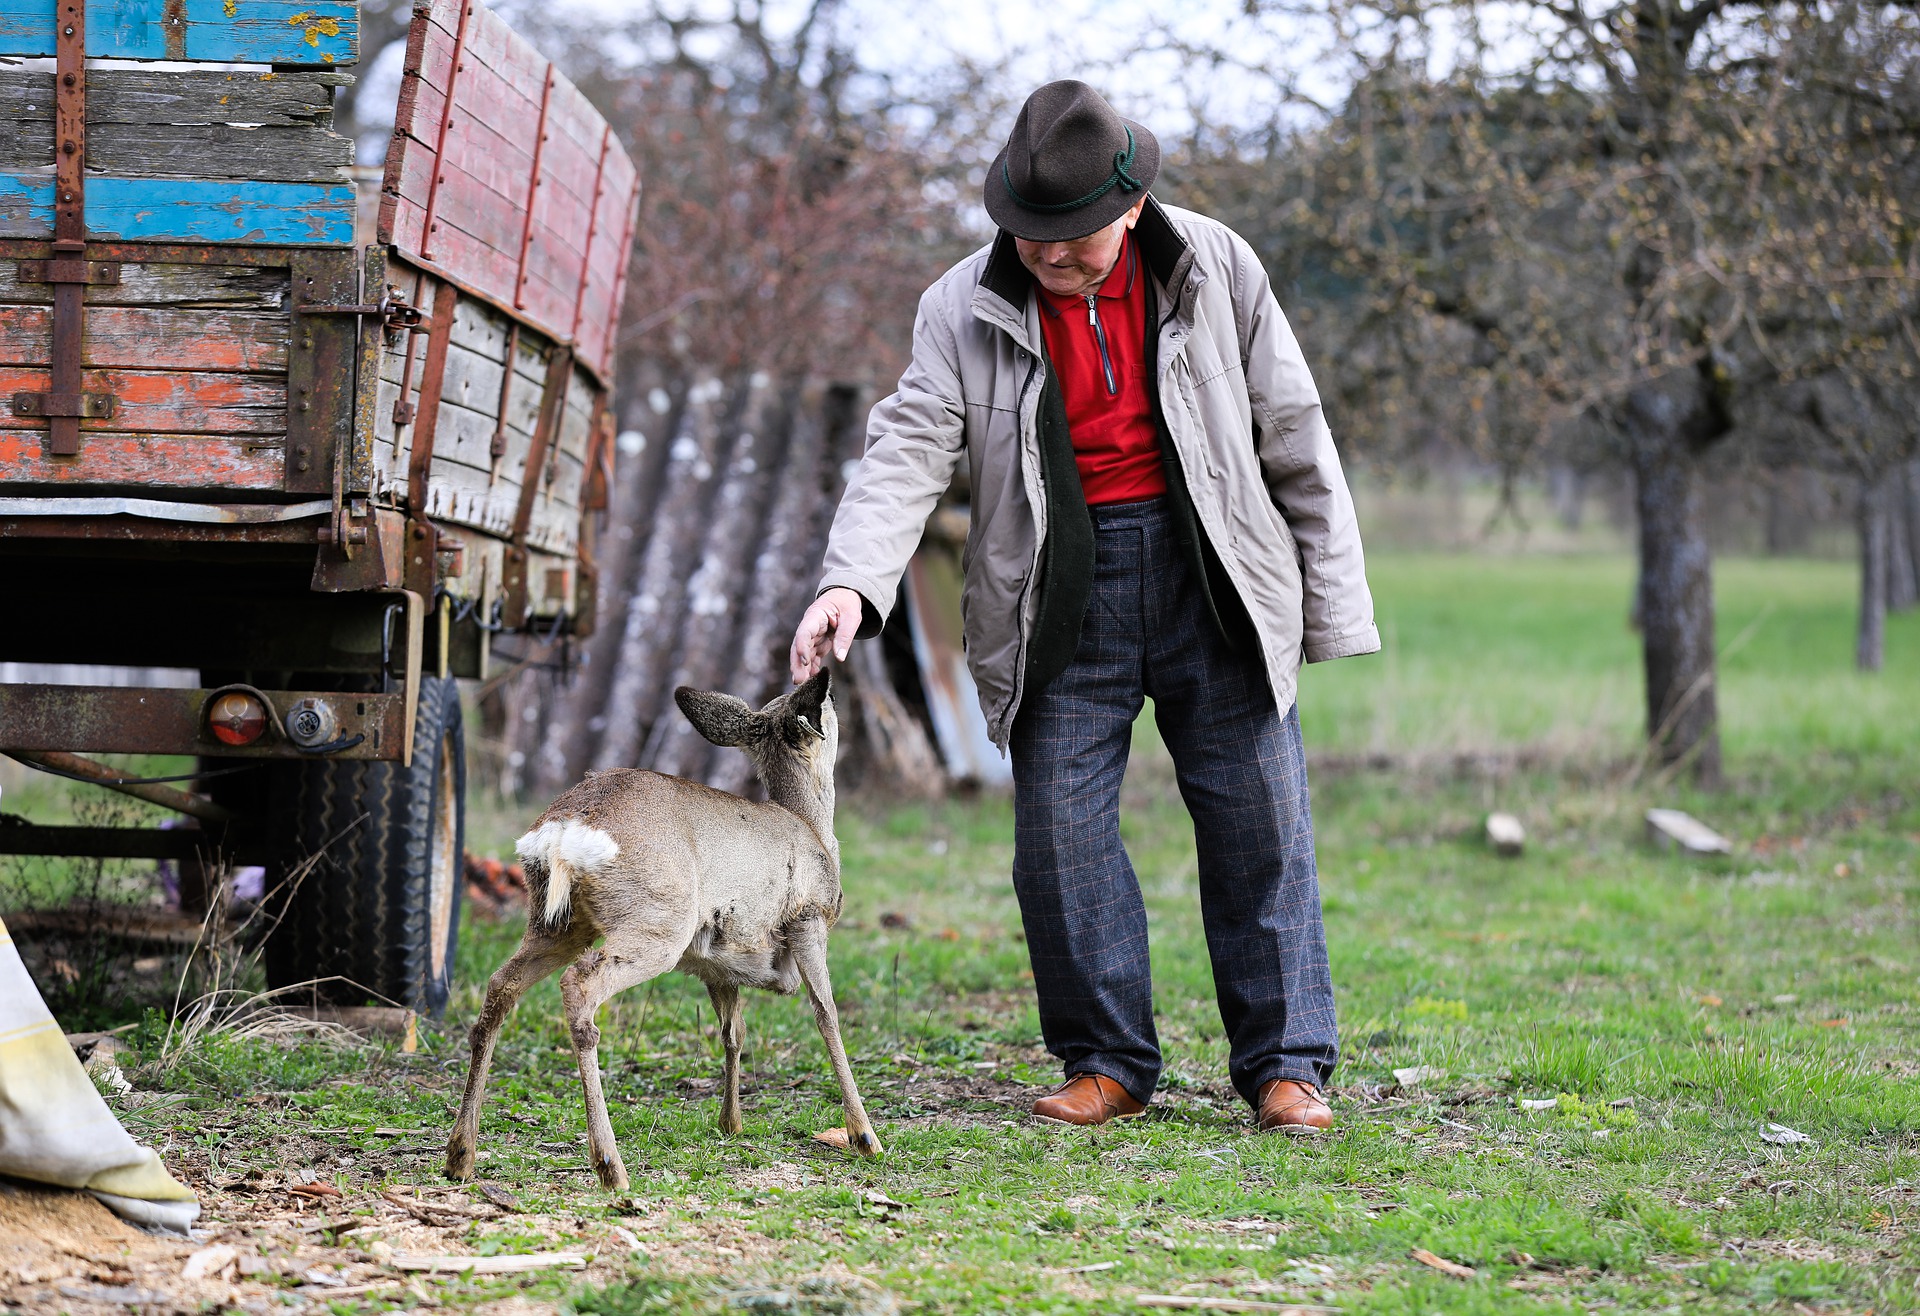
(666, 874)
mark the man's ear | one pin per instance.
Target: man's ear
(804, 704)
(720, 718)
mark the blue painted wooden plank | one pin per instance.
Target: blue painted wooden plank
(307, 33)
(187, 210)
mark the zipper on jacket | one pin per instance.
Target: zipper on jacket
(1100, 337)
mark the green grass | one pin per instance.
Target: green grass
(1488, 652)
(1672, 1009)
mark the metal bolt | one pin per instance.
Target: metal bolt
(306, 406)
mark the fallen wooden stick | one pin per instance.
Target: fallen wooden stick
(1181, 1302)
(508, 1265)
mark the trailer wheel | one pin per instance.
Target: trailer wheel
(368, 875)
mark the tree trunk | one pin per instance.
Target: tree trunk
(1910, 496)
(1874, 509)
(1676, 580)
(1903, 548)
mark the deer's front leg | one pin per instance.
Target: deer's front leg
(726, 1004)
(808, 941)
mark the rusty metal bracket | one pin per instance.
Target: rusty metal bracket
(513, 577)
(64, 406)
(99, 273)
(403, 410)
(320, 368)
(396, 313)
(533, 183)
(498, 448)
(66, 401)
(422, 543)
(430, 222)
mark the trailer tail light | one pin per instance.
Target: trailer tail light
(237, 718)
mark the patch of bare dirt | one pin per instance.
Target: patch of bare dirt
(274, 1250)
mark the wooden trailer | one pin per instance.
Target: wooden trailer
(322, 473)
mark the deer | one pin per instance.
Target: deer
(666, 874)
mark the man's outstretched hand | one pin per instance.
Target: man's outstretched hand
(835, 617)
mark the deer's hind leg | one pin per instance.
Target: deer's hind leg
(808, 942)
(590, 981)
(540, 952)
(726, 1004)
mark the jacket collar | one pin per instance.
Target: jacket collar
(1166, 254)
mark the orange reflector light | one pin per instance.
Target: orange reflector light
(236, 718)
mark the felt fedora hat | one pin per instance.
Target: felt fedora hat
(1071, 166)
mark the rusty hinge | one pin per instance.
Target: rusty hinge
(99, 273)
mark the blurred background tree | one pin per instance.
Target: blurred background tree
(1663, 247)
(1628, 234)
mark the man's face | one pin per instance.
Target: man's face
(1076, 268)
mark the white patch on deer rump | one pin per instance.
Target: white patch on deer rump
(566, 847)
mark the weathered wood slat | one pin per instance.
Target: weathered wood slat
(597, 323)
(295, 98)
(164, 402)
(186, 210)
(303, 33)
(544, 245)
(224, 287)
(152, 338)
(194, 151)
(149, 461)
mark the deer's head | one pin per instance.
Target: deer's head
(792, 742)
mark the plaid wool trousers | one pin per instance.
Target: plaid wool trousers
(1242, 773)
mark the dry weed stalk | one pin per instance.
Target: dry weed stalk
(227, 959)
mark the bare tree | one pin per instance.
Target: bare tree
(1609, 221)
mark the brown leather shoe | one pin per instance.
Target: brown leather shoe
(1289, 1106)
(1087, 1099)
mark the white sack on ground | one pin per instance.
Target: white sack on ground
(54, 1128)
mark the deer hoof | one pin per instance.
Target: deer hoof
(866, 1143)
(459, 1162)
(613, 1175)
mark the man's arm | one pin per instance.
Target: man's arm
(1302, 471)
(914, 441)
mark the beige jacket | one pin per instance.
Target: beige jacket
(1240, 406)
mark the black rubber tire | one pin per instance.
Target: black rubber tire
(368, 876)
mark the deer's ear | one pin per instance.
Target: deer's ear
(720, 718)
(805, 703)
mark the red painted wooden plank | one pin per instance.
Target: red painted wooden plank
(466, 204)
(152, 461)
(553, 234)
(153, 338)
(164, 403)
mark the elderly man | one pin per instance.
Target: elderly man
(1157, 510)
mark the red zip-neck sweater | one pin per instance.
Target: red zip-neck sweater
(1098, 347)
